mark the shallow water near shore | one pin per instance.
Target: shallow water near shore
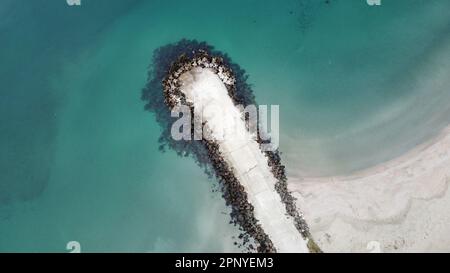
(357, 85)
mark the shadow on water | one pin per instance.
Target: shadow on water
(152, 94)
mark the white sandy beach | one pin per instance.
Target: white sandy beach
(401, 205)
(207, 92)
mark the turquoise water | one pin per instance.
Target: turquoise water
(356, 86)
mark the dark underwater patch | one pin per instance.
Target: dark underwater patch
(152, 95)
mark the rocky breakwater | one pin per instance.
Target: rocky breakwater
(271, 232)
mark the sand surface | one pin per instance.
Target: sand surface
(402, 205)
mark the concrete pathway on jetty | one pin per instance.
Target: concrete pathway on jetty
(209, 96)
